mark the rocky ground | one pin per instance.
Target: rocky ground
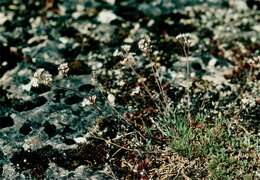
(107, 117)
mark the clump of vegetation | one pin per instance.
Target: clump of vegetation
(160, 105)
(223, 148)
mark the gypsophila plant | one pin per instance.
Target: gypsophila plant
(185, 41)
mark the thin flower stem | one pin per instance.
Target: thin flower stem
(158, 82)
(125, 148)
(147, 90)
(186, 51)
(114, 144)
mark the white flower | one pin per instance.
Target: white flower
(145, 44)
(47, 79)
(184, 38)
(34, 82)
(63, 69)
(42, 77)
(89, 101)
(38, 73)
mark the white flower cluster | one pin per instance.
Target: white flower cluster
(41, 77)
(145, 45)
(128, 57)
(248, 101)
(184, 38)
(63, 69)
